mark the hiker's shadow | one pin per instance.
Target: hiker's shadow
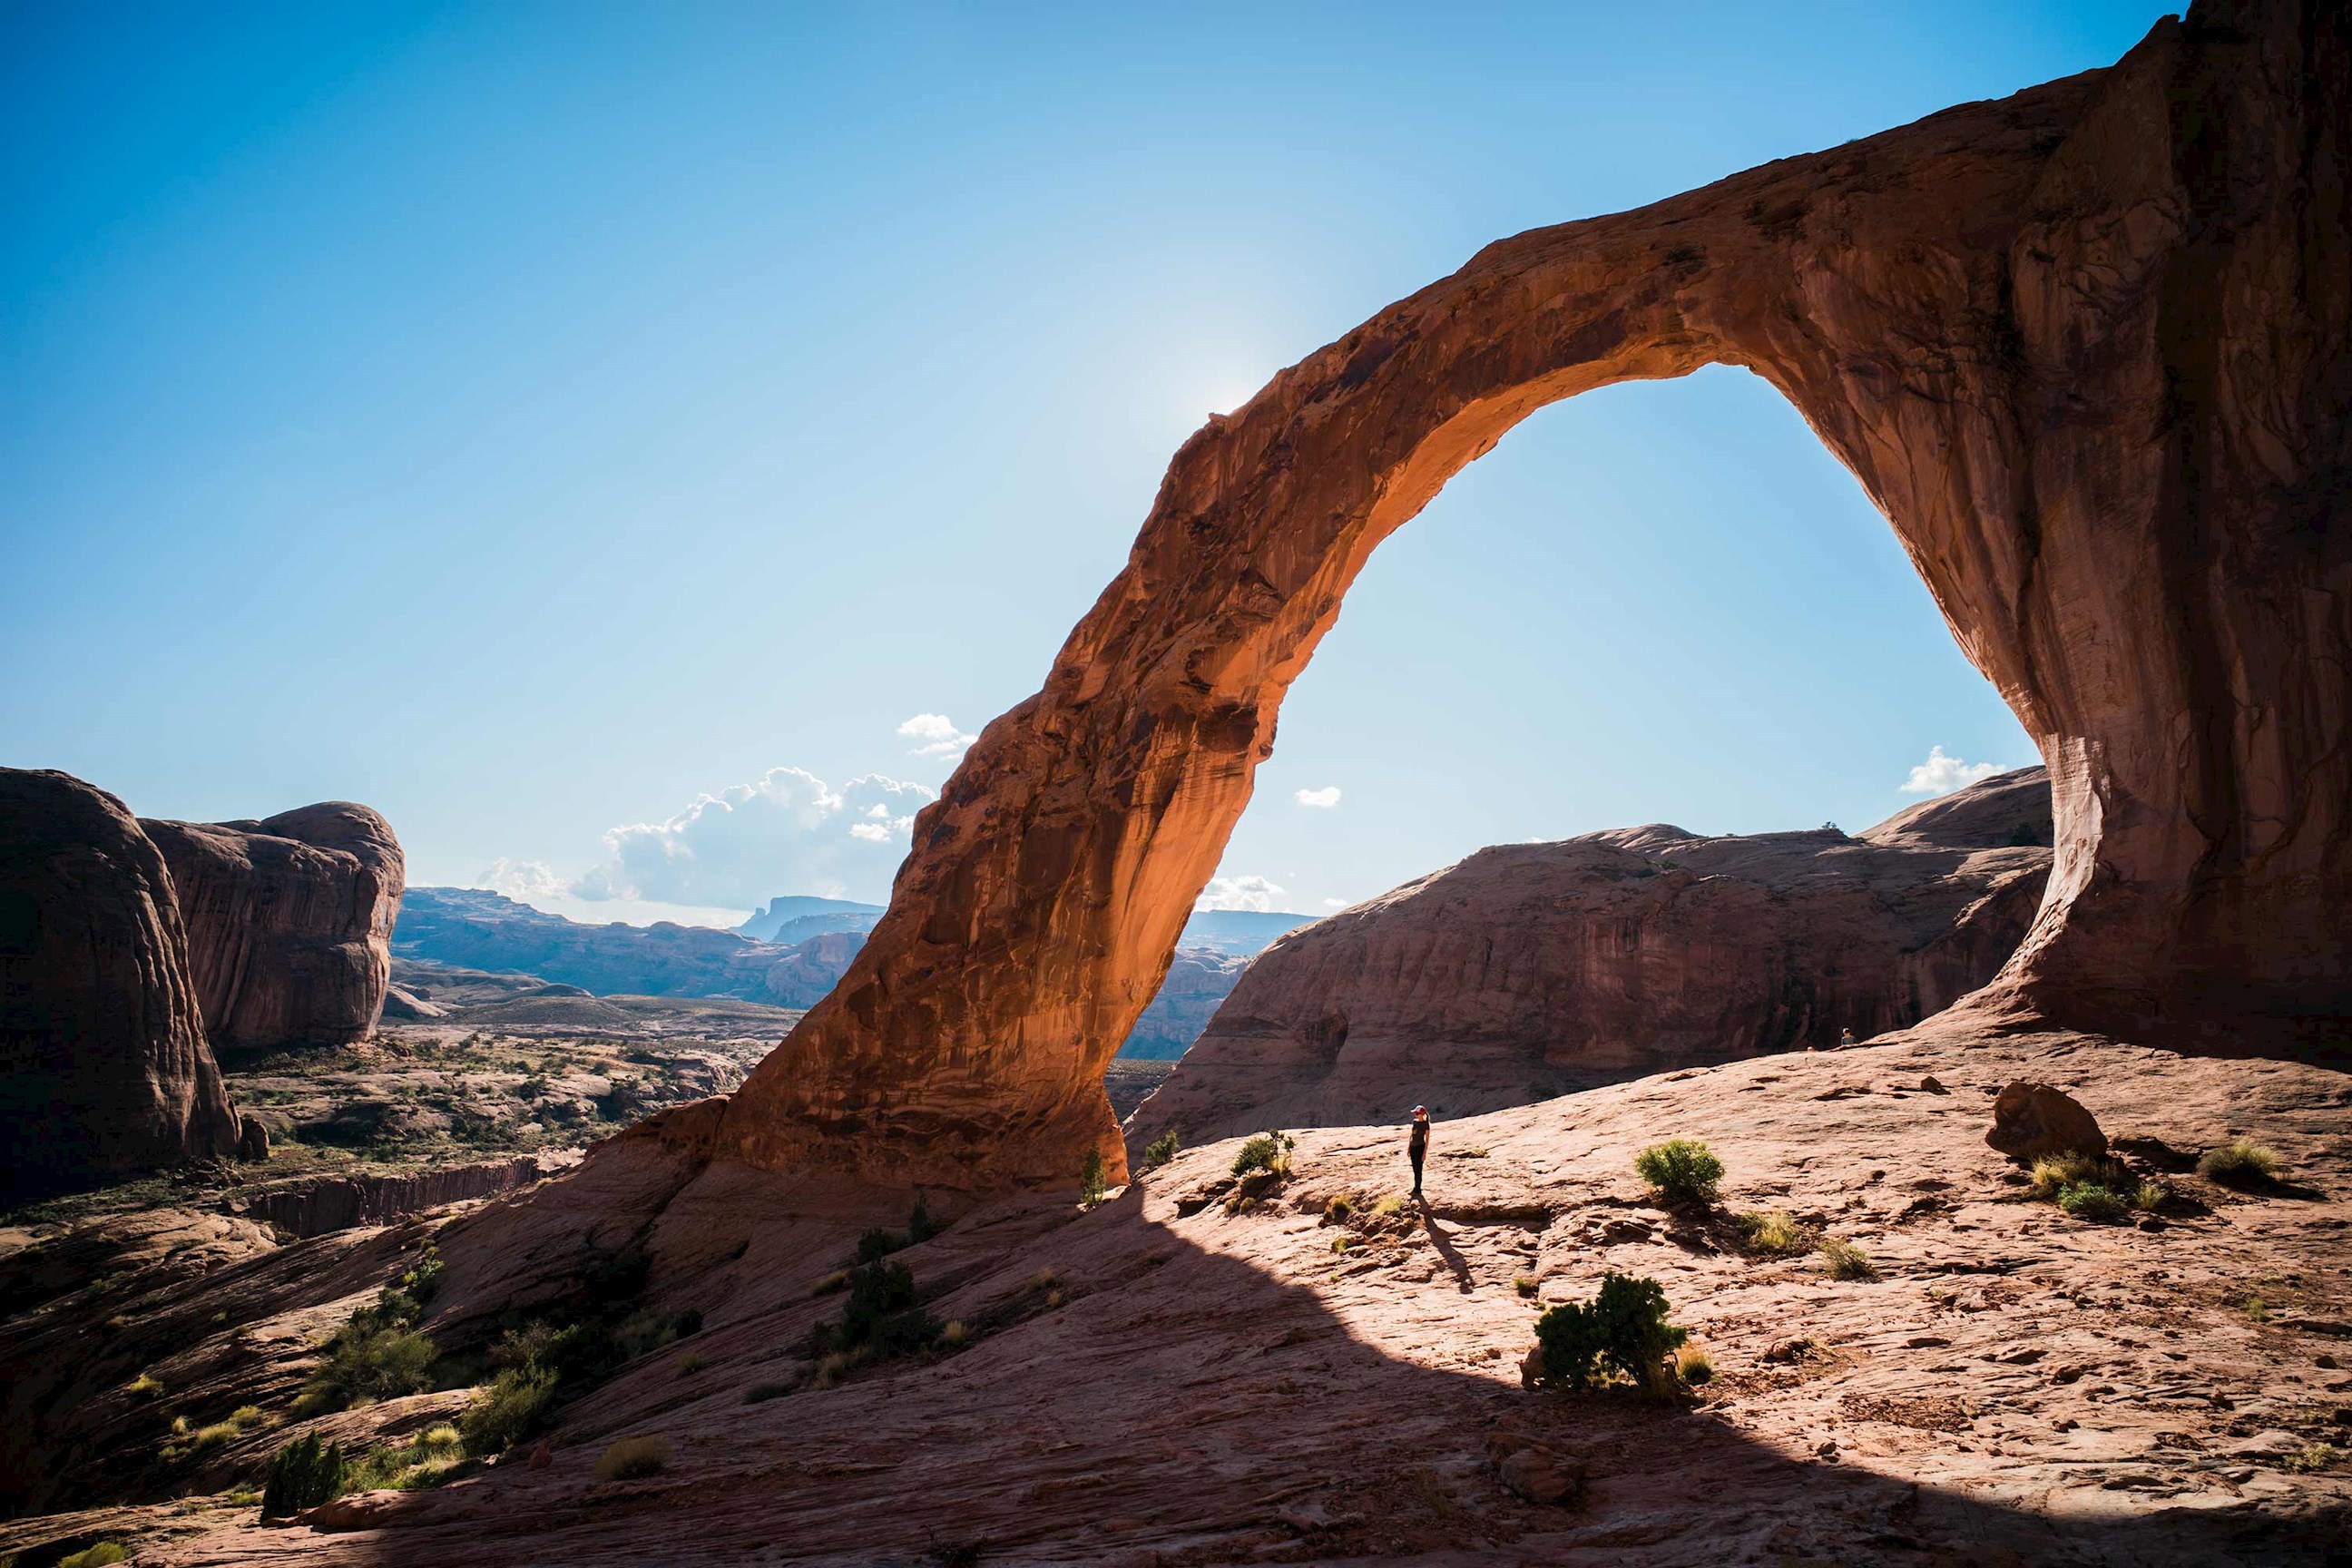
(1440, 1239)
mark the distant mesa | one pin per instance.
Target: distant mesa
(796, 916)
(288, 922)
(1532, 970)
(104, 1069)
(1244, 932)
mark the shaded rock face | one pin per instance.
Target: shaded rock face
(103, 1063)
(288, 922)
(2089, 348)
(1530, 970)
(1199, 981)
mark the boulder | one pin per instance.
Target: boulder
(2086, 347)
(408, 1007)
(252, 1139)
(1531, 970)
(104, 1068)
(2032, 1120)
(288, 922)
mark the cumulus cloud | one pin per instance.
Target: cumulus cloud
(1323, 799)
(1238, 893)
(787, 831)
(1942, 774)
(523, 879)
(935, 735)
(1335, 903)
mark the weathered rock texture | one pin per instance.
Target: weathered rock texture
(1530, 970)
(2090, 349)
(288, 922)
(103, 1063)
(339, 1203)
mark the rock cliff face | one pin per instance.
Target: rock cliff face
(288, 922)
(1530, 970)
(2090, 349)
(1199, 981)
(103, 1063)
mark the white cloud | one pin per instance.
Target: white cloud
(1238, 893)
(786, 832)
(523, 879)
(1335, 903)
(1941, 774)
(1323, 799)
(937, 736)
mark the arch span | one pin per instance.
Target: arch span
(2086, 347)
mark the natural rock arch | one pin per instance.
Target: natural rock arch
(2088, 348)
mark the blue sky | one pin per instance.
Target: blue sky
(536, 420)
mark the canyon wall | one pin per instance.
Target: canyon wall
(288, 922)
(1531, 970)
(104, 1068)
(2088, 348)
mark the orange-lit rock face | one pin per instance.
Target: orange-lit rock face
(2089, 348)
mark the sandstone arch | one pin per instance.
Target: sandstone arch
(2089, 349)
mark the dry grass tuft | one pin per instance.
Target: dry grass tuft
(633, 1458)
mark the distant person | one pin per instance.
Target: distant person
(1845, 1038)
(1419, 1147)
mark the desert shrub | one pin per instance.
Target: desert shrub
(688, 1365)
(876, 1245)
(2314, 1456)
(1091, 1187)
(836, 1280)
(1773, 1232)
(879, 1317)
(1338, 1206)
(2053, 1174)
(1680, 1171)
(1525, 1284)
(422, 1282)
(954, 1334)
(1159, 1151)
(303, 1474)
(102, 1555)
(367, 1360)
(511, 1409)
(145, 1386)
(1622, 1331)
(1339, 1243)
(2089, 1200)
(2150, 1197)
(1387, 1204)
(424, 1461)
(1268, 1152)
(760, 1393)
(2242, 1162)
(633, 1459)
(1692, 1367)
(1847, 1261)
(921, 1225)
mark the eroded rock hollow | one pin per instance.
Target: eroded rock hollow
(2089, 349)
(288, 922)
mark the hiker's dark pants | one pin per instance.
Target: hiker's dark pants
(1418, 1156)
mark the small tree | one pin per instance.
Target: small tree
(1622, 1330)
(1091, 1187)
(1159, 1151)
(1680, 1171)
(303, 1474)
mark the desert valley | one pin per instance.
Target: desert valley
(1970, 1188)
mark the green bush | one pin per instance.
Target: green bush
(511, 1409)
(880, 1316)
(102, 1555)
(303, 1474)
(1091, 1183)
(2089, 1200)
(633, 1459)
(1680, 1171)
(2242, 1162)
(366, 1360)
(2053, 1174)
(921, 1225)
(1623, 1330)
(1159, 1151)
(1268, 1152)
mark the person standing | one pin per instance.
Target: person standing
(1419, 1147)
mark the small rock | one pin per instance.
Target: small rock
(1543, 1475)
(1930, 1086)
(539, 1457)
(1828, 1450)
(2032, 1120)
(1789, 1350)
(1926, 1343)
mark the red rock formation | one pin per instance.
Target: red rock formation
(1531, 970)
(288, 922)
(103, 1063)
(2090, 349)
